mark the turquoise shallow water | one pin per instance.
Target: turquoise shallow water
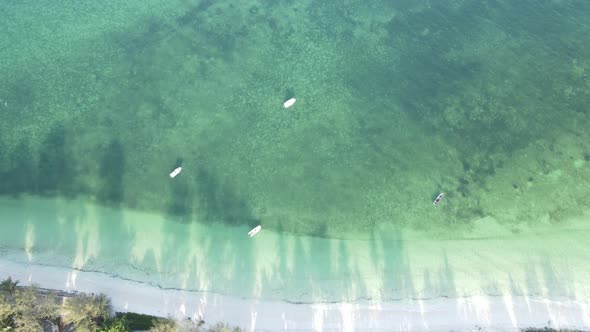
(390, 265)
(397, 101)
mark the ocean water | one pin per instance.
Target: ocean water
(397, 101)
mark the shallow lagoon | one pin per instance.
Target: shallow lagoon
(396, 102)
(391, 265)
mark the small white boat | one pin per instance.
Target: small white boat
(289, 102)
(438, 198)
(175, 172)
(255, 230)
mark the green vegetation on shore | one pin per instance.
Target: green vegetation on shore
(24, 308)
(31, 309)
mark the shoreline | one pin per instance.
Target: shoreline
(399, 280)
(462, 313)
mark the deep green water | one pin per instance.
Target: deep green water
(397, 101)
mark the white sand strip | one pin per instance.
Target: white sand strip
(496, 313)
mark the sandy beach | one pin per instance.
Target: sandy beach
(503, 313)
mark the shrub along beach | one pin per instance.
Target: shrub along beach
(32, 309)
